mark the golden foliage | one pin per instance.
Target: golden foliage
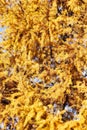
(43, 65)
